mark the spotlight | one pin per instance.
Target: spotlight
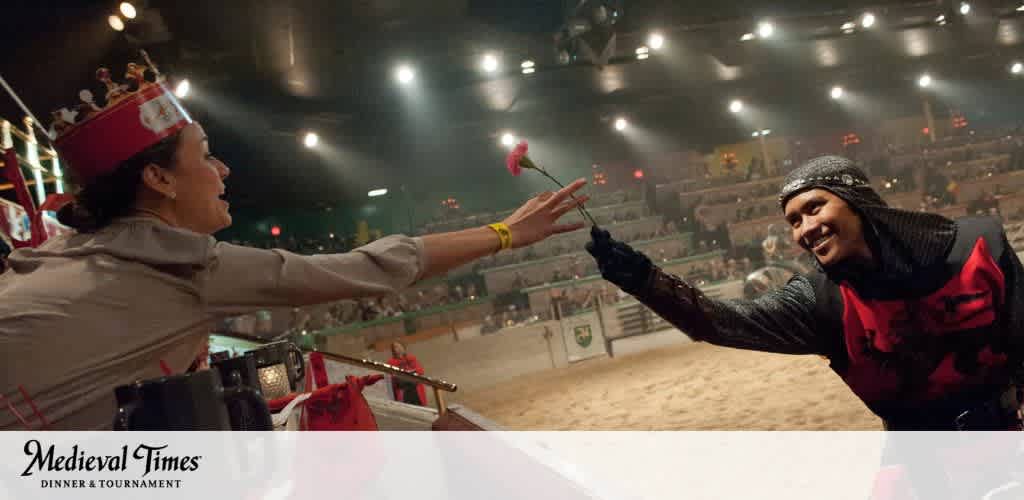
(527, 64)
(489, 63)
(766, 132)
(867, 20)
(736, 106)
(529, 71)
(925, 81)
(1017, 68)
(965, 8)
(377, 192)
(747, 37)
(621, 124)
(182, 89)
(837, 92)
(756, 133)
(941, 19)
(311, 140)
(765, 29)
(848, 26)
(642, 52)
(116, 23)
(508, 140)
(405, 74)
(1020, 9)
(127, 10)
(656, 41)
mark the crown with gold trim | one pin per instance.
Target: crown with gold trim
(94, 140)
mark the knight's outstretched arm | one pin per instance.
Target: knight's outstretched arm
(781, 321)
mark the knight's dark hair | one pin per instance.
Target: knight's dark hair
(105, 198)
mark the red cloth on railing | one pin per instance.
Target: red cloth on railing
(337, 407)
(316, 365)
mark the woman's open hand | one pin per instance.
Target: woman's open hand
(538, 218)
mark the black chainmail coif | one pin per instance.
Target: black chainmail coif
(902, 241)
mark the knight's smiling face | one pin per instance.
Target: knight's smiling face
(826, 226)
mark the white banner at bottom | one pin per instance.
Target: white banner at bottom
(510, 465)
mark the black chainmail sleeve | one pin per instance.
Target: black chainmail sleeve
(780, 321)
(1012, 315)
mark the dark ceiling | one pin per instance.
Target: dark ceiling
(264, 71)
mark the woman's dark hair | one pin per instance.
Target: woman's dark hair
(113, 195)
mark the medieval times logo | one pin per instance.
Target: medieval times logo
(144, 459)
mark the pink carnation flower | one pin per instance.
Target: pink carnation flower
(515, 158)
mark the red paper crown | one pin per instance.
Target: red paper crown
(101, 138)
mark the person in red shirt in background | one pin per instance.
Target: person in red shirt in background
(405, 391)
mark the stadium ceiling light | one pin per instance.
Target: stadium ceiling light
(656, 41)
(116, 23)
(508, 139)
(621, 124)
(924, 81)
(489, 63)
(765, 29)
(747, 37)
(965, 8)
(182, 89)
(837, 92)
(405, 74)
(736, 106)
(867, 20)
(310, 140)
(127, 10)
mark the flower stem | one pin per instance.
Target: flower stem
(580, 208)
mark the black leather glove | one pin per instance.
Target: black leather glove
(619, 263)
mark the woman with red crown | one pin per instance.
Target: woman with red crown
(141, 281)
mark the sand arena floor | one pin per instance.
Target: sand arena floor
(690, 387)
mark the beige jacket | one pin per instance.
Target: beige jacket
(85, 313)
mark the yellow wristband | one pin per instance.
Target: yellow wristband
(504, 235)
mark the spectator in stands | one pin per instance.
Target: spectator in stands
(575, 268)
(896, 295)
(518, 281)
(407, 391)
(143, 278)
(490, 325)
